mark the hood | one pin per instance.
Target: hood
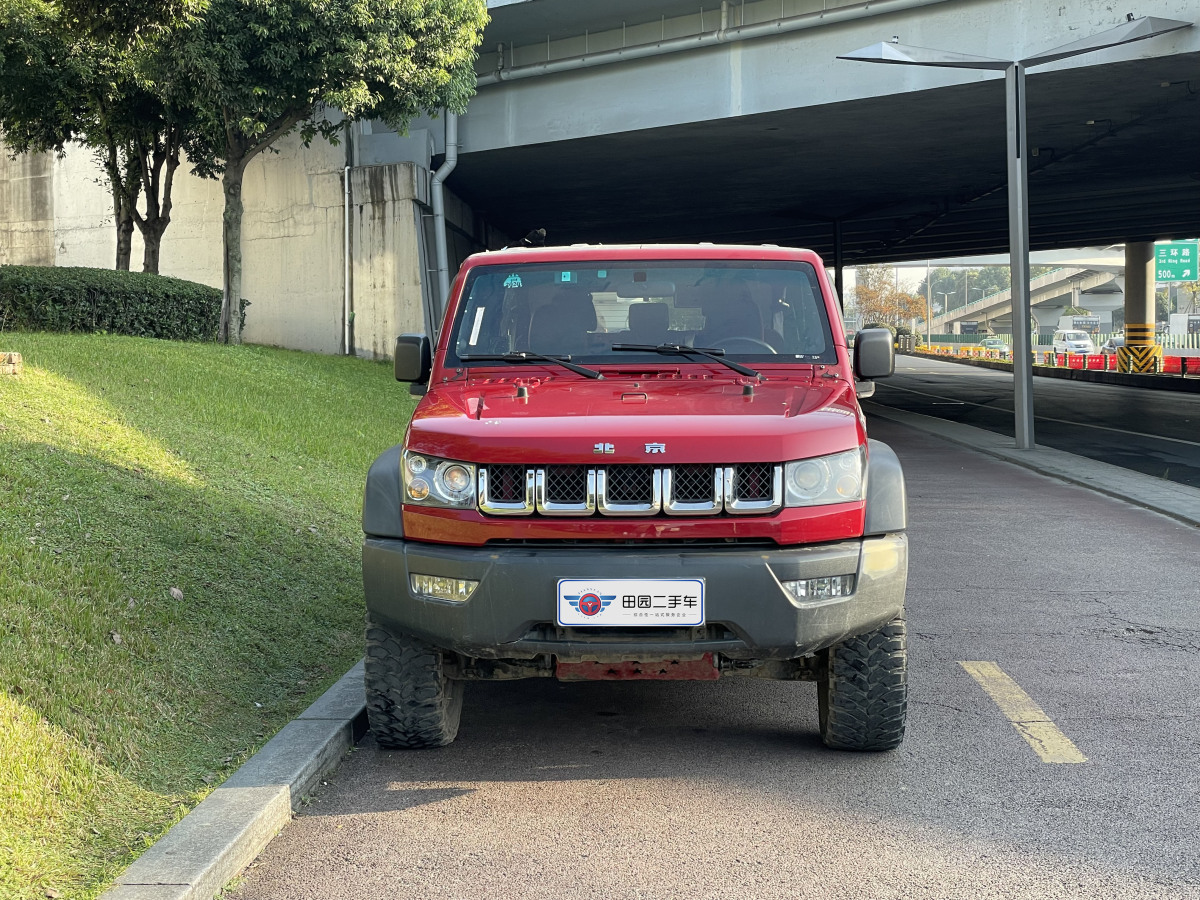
(695, 419)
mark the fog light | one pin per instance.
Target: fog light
(813, 589)
(438, 588)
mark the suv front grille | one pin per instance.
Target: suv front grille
(630, 484)
(506, 483)
(566, 484)
(753, 481)
(631, 490)
(693, 484)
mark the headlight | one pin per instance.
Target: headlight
(429, 481)
(837, 478)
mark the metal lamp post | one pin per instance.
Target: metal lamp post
(895, 53)
(946, 295)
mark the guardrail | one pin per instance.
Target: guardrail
(1167, 340)
(1099, 362)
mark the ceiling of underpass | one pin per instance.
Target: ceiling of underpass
(1114, 156)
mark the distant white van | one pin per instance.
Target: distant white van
(1073, 342)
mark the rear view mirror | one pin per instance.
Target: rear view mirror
(874, 355)
(413, 358)
(644, 290)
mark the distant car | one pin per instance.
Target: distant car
(1073, 342)
(995, 343)
(1109, 347)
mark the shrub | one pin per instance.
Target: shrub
(50, 298)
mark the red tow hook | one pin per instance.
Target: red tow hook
(702, 669)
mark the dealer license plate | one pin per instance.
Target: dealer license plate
(631, 601)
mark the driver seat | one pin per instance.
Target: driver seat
(563, 326)
(728, 317)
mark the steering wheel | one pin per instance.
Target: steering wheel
(743, 344)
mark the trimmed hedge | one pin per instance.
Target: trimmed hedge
(63, 299)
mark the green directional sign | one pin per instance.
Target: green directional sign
(1176, 261)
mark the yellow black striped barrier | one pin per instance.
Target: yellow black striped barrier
(1140, 359)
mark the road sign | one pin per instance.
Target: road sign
(1176, 261)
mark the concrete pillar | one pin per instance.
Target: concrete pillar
(1141, 353)
(838, 281)
(385, 262)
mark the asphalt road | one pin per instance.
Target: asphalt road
(723, 790)
(1153, 432)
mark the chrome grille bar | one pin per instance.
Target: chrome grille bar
(708, 507)
(636, 508)
(735, 502)
(548, 507)
(631, 490)
(522, 507)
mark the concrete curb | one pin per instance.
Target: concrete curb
(1175, 500)
(215, 841)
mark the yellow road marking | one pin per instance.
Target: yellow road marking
(1027, 717)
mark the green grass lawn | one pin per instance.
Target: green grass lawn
(179, 576)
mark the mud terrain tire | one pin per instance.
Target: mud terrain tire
(863, 698)
(411, 702)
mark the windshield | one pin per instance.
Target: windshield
(1076, 336)
(754, 311)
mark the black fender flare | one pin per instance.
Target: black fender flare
(887, 499)
(381, 501)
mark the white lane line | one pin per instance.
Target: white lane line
(1125, 431)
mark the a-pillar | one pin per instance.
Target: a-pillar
(1140, 353)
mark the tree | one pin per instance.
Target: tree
(1191, 288)
(131, 18)
(255, 70)
(1162, 305)
(74, 70)
(878, 299)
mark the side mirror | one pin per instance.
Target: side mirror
(413, 360)
(874, 355)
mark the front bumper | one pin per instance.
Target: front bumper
(749, 614)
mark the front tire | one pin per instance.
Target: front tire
(863, 697)
(411, 702)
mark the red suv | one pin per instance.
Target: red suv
(642, 462)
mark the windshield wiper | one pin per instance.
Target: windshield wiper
(714, 353)
(517, 356)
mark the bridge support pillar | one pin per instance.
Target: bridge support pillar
(838, 281)
(1141, 352)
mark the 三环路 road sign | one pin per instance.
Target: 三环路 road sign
(1176, 261)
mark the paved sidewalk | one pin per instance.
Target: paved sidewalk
(197, 858)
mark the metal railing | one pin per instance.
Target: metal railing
(1167, 340)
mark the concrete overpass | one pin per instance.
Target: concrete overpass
(1049, 294)
(660, 120)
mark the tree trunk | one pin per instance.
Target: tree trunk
(124, 212)
(124, 236)
(231, 299)
(125, 186)
(162, 152)
(152, 244)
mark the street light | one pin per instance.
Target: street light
(895, 53)
(946, 295)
